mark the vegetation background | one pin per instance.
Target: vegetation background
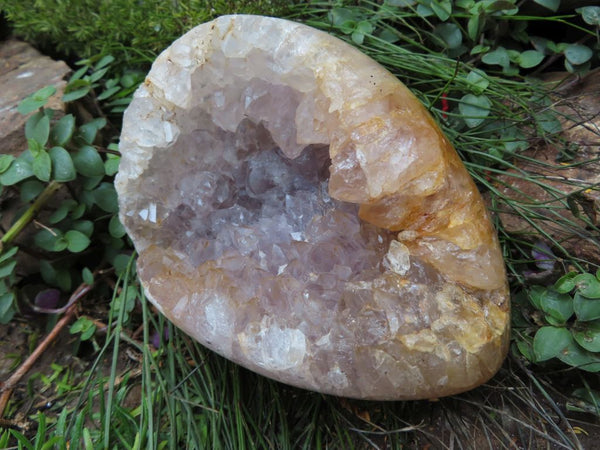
(508, 83)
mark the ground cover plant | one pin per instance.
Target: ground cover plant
(122, 377)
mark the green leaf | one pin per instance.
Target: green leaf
(5, 162)
(42, 166)
(552, 5)
(76, 241)
(8, 254)
(63, 168)
(29, 190)
(548, 122)
(88, 162)
(529, 59)
(449, 33)
(588, 335)
(84, 226)
(478, 81)
(111, 165)
(479, 49)
(20, 169)
(36, 100)
(474, 109)
(104, 61)
(576, 356)
(549, 342)
(87, 276)
(565, 283)
(63, 130)
(587, 285)
(76, 90)
(578, 54)
(473, 26)
(559, 306)
(7, 309)
(590, 14)
(37, 128)
(441, 8)
(50, 240)
(497, 57)
(105, 197)
(61, 212)
(120, 263)
(88, 131)
(34, 147)
(7, 267)
(115, 228)
(586, 308)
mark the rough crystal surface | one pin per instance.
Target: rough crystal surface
(297, 210)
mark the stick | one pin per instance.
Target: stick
(8, 386)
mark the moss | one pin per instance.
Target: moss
(134, 31)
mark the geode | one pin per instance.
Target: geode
(298, 211)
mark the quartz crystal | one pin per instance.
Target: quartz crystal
(298, 211)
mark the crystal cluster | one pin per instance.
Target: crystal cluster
(297, 210)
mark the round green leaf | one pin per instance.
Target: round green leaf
(587, 335)
(530, 58)
(76, 241)
(449, 33)
(84, 226)
(36, 100)
(549, 342)
(565, 283)
(578, 54)
(478, 81)
(559, 306)
(5, 162)
(111, 165)
(30, 190)
(61, 212)
(87, 276)
(20, 169)
(63, 130)
(88, 131)
(105, 197)
(586, 308)
(497, 57)
(474, 108)
(115, 228)
(42, 166)
(552, 5)
(88, 162)
(590, 14)
(63, 168)
(574, 355)
(50, 240)
(37, 128)
(587, 285)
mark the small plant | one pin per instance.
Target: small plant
(566, 319)
(67, 157)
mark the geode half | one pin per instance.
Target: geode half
(298, 211)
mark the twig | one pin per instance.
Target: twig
(8, 386)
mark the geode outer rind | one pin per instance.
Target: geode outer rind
(297, 210)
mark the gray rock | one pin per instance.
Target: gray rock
(23, 70)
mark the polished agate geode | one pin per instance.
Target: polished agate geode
(298, 211)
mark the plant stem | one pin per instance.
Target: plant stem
(28, 215)
(7, 387)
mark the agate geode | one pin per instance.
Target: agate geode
(298, 211)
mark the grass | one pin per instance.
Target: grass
(180, 395)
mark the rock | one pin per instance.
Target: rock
(564, 194)
(23, 71)
(297, 210)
